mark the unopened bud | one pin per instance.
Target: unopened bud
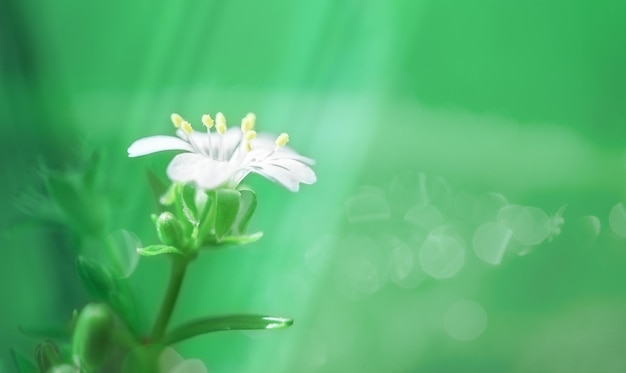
(47, 355)
(92, 336)
(169, 229)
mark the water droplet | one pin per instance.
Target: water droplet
(442, 255)
(424, 216)
(617, 220)
(465, 320)
(490, 241)
(368, 204)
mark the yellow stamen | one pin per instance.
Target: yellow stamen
(177, 120)
(207, 121)
(282, 140)
(246, 124)
(220, 123)
(220, 119)
(248, 146)
(252, 119)
(250, 135)
(186, 127)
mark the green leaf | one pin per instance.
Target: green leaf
(153, 250)
(24, 364)
(227, 207)
(247, 207)
(242, 240)
(97, 279)
(222, 323)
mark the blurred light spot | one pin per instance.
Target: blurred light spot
(465, 320)
(361, 266)
(487, 205)
(319, 255)
(556, 222)
(530, 225)
(189, 366)
(404, 270)
(119, 253)
(490, 241)
(424, 216)
(400, 262)
(367, 205)
(589, 227)
(412, 188)
(169, 359)
(442, 255)
(617, 220)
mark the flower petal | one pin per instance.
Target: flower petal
(266, 142)
(153, 144)
(203, 171)
(287, 172)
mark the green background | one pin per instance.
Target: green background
(522, 98)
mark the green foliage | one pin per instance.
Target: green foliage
(222, 323)
(97, 279)
(153, 250)
(23, 363)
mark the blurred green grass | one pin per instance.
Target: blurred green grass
(523, 98)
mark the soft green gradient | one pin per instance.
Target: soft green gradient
(523, 98)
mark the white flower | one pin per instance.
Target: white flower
(222, 158)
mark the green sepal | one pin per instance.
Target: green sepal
(226, 210)
(222, 323)
(153, 250)
(241, 240)
(97, 279)
(47, 355)
(247, 206)
(169, 197)
(187, 198)
(23, 364)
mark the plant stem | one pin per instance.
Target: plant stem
(177, 275)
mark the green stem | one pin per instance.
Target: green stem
(179, 267)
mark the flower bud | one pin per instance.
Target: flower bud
(47, 355)
(92, 336)
(169, 229)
